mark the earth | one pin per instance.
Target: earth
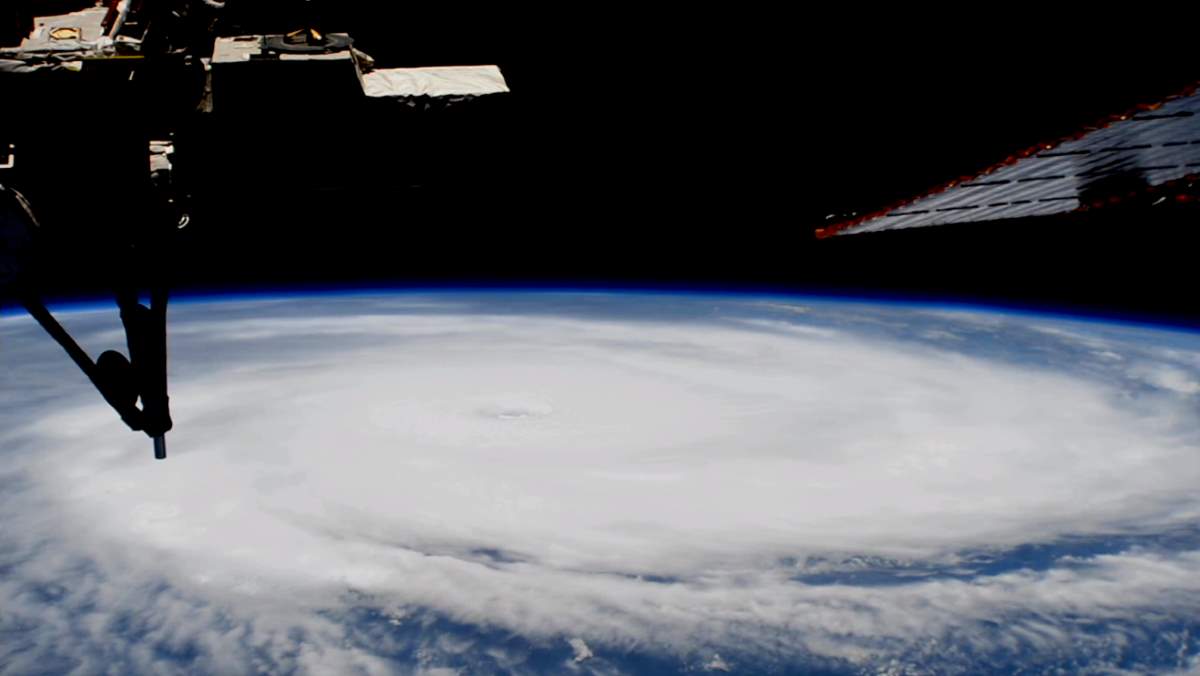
(606, 483)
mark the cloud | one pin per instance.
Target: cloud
(715, 485)
(1168, 377)
(582, 651)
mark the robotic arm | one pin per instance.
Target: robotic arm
(122, 381)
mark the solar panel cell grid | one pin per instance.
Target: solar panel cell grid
(1153, 146)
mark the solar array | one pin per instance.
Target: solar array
(1128, 154)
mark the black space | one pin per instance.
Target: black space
(692, 147)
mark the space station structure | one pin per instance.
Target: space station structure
(343, 117)
(121, 119)
(1146, 159)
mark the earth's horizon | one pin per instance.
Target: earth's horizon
(588, 481)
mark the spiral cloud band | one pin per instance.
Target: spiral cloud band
(523, 483)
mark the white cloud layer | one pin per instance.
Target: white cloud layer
(593, 482)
